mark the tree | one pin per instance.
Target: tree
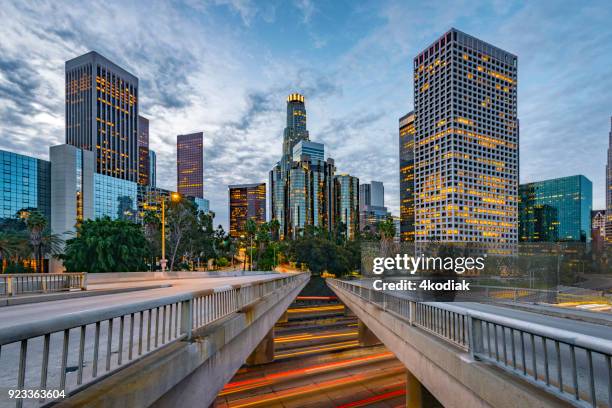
(105, 245)
(275, 229)
(251, 230)
(152, 226)
(180, 222)
(36, 223)
(9, 246)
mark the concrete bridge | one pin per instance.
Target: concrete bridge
(175, 343)
(467, 354)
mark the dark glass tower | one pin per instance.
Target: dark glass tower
(190, 164)
(608, 228)
(143, 151)
(102, 114)
(406, 162)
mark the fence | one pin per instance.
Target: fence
(25, 283)
(570, 365)
(106, 340)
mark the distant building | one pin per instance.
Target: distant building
(598, 228)
(143, 151)
(608, 228)
(314, 150)
(152, 169)
(190, 164)
(347, 204)
(372, 208)
(466, 143)
(556, 210)
(406, 171)
(102, 114)
(246, 201)
(25, 183)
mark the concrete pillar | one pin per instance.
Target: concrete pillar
(417, 396)
(264, 352)
(366, 336)
(284, 318)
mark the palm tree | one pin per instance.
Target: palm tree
(251, 230)
(386, 230)
(9, 246)
(36, 224)
(275, 229)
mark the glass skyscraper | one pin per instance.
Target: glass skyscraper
(102, 114)
(152, 168)
(190, 164)
(314, 150)
(466, 142)
(372, 208)
(246, 201)
(115, 198)
(406, 171)
(143, 151)
(347, 203)
(556, 210)
(25, 183)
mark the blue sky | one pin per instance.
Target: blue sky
(225, 67)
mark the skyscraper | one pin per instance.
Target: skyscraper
(347, 203)
(406, 163)
(190, 164)
(102, 114)
(314, 150)
(466, 142)
(296, 124)
(246, 201)
(608, 233)
(143, 151)
(152, 168)
(556, 210)
(372, 208)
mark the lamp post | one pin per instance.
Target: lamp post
(163, 261)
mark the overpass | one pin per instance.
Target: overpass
(175, 343)
(467, 354)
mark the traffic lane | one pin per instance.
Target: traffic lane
(12, 316)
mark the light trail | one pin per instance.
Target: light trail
(376, 398)
(267, 400)
(316, 298)
(245, 385)
(315, 309)
(337, 346)
(306, 337)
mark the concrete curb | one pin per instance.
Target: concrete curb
(555, 311)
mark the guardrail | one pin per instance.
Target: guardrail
(107, 340)
(572, 366)
(24, 283)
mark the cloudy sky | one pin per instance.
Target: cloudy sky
(225, 67)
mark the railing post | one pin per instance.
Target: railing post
(411, 312)
(515, 295)
(84, 281)
(476, 344)
(43, 284)
(9, 286)
(187, 318)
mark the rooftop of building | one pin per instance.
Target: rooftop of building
(96, 57)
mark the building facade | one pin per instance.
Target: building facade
(347, 204)
(143, 151)
(246, 201)
(598, 228)
(190, 164)
(556, 210)
(608, 232)
(466, 142)
(25, 183)
(102, 114)
(406, 171)
(152, 168)
(372, 208)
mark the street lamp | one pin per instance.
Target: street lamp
(175, 197)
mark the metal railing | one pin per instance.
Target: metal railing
(25, 283)
(573, 366)
(73, 351)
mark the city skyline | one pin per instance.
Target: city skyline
(357, 83)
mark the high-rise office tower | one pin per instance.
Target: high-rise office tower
(246, 201)
(608, 232)
(295, 131)
(372, 208)
(556, 210)
(152, 168)
(190, 164)
(466, 142)
(406, 163)
(296, 124)
(347, 203)
(143, 151)
(102, 114)
(314, 150)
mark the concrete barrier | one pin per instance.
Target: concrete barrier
(118, 277)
